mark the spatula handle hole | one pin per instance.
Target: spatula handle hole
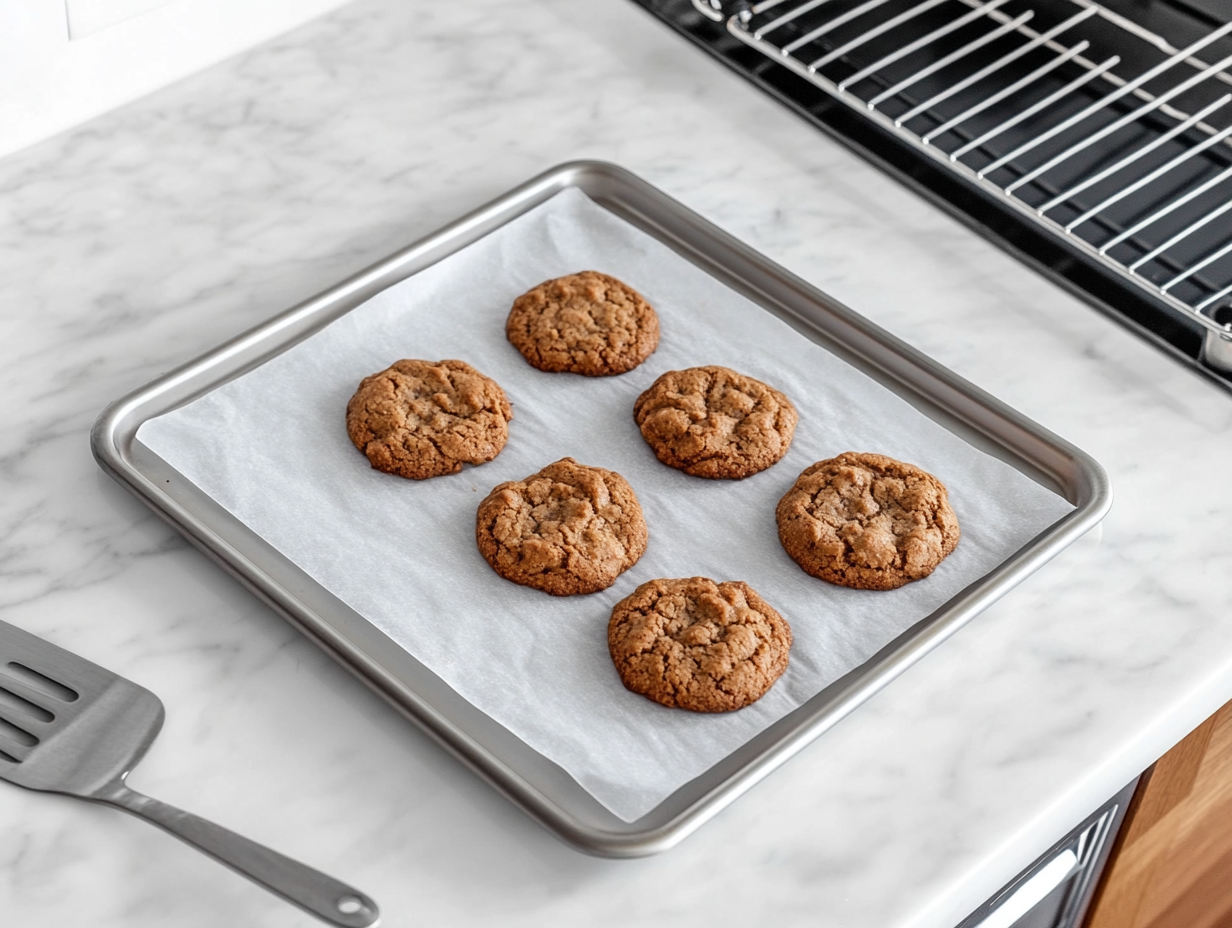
(349, 905)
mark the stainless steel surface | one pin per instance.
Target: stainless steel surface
(539, 786)
(69, 726)
(1057, 889)
(1088, 124)
(1033, 891)
(1217, 345)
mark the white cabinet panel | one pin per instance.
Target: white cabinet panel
(86, 17)
(118, 50)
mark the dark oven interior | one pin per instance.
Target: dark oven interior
(1091, 139)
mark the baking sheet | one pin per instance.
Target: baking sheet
(271, 447)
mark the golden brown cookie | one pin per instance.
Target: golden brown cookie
(421, 419)
(567, 529)
(867, 521)
(714, 422)
(698, 645)
(587, 323)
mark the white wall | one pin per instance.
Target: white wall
(65, 61)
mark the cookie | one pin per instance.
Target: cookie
(420, 419)
(565, 530)
(698, 645)
(867, 521)
(713, 422)
(587, 323)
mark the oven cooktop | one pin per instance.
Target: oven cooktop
(1091, 139)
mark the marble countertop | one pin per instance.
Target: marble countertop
(148, 236)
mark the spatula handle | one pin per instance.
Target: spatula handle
(311, 890)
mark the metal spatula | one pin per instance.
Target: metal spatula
(69, 726)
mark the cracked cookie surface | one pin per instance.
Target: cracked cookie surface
(713, 422)
(698, 645)
(586, 323)
(568, 529)
(422, 419)
(867, 521)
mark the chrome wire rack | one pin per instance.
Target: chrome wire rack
(1087, 123)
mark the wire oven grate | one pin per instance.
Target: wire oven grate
(1087, 123)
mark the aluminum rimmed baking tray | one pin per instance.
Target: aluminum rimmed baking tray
(537, 784)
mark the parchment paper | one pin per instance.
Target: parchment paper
(272, 448)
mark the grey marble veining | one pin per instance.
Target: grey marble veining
(135, 242)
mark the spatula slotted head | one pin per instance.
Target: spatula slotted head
(67, 725)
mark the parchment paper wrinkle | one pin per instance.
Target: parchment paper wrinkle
(271, 447)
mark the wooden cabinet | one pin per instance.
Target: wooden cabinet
(1171, 866)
